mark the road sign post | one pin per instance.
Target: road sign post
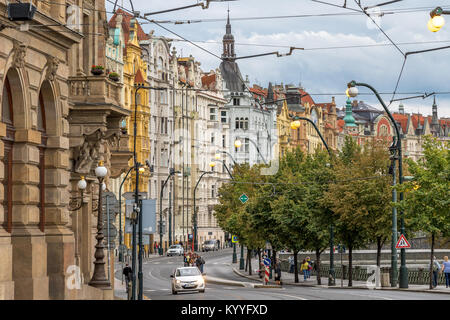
(266, 267)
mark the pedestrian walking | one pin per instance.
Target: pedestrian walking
(436, 270)
(304, 268)
(446, 270)
(308, 260)
(291, 264)
(278, 272)
(127, 272)
(199, 262)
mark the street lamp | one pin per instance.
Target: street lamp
(396, 150)
(73, 204)
(436, 21)
(212, 164)
(295, 125)
(99, 279)
(227, 153)
(238, 144)
(171, 173)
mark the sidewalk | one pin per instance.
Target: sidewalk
(289, 279)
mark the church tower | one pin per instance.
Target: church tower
(228, 42)
(434, 120)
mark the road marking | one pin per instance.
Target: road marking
(371, 296)
(287, 295)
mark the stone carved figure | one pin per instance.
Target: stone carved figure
(19, 52)
(52, 68)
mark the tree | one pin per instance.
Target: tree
(426, 204)
(347, 199)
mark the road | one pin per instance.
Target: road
(157, 273)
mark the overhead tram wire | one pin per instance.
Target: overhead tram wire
(209, 52)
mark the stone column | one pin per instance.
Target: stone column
(60, 239)
(6, 283)
(29, 246)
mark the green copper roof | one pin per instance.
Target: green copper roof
(348, 119)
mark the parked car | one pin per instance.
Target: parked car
(210, 245)
(175, 249)
(187, 279)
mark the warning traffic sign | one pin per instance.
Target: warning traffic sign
(402, 243)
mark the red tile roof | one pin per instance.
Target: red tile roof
(139, 78)
(126, 20)
(340, 124)
(402, 119)
(306, 98)
(209, 81)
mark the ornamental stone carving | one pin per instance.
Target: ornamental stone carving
(52, 68)
(19, 52)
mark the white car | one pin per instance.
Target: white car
(187, 279)
(175, 249)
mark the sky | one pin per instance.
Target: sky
(321, 72)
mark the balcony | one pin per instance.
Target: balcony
(94, 89)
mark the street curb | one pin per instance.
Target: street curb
(224, 282)
(256, 285)
(414, 290)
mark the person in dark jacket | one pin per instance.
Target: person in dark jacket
(278, 271)
(127, 272)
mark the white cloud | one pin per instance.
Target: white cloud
(320, 71)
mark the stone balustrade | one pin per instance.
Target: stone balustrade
(95, 89)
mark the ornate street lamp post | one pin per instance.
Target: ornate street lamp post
(396, 150)
(171, 173)
(99, 279)
(195, 207)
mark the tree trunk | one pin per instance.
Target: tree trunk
(379, 245)
(431, 260)
(274, 259)
(295, 266)
(317, 265)
(350, 260)
(249, 254)
(246, 261)
(259, 258)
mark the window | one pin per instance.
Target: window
(237, 123)
(246, 124)
(236, 102)
(212, 137)
(223, 116)
(213, 191)
(224, 141)
(241, 123)
(246, 145)
(212, 114)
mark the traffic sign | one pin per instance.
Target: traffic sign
(234, 239)
(402, 243)
(243, 198)
(267, 262)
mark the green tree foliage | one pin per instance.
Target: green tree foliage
(360, 196)
(426, 204)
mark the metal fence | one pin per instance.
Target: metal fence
(359, 273)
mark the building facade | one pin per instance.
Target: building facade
(58, 121)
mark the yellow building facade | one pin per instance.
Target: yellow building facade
(284, 129)
(135, 73)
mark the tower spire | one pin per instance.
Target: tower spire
(228, 41)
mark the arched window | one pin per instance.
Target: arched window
(8, 141)
(237, 123)
(241, 123)
(246, 124)
(41, 126)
